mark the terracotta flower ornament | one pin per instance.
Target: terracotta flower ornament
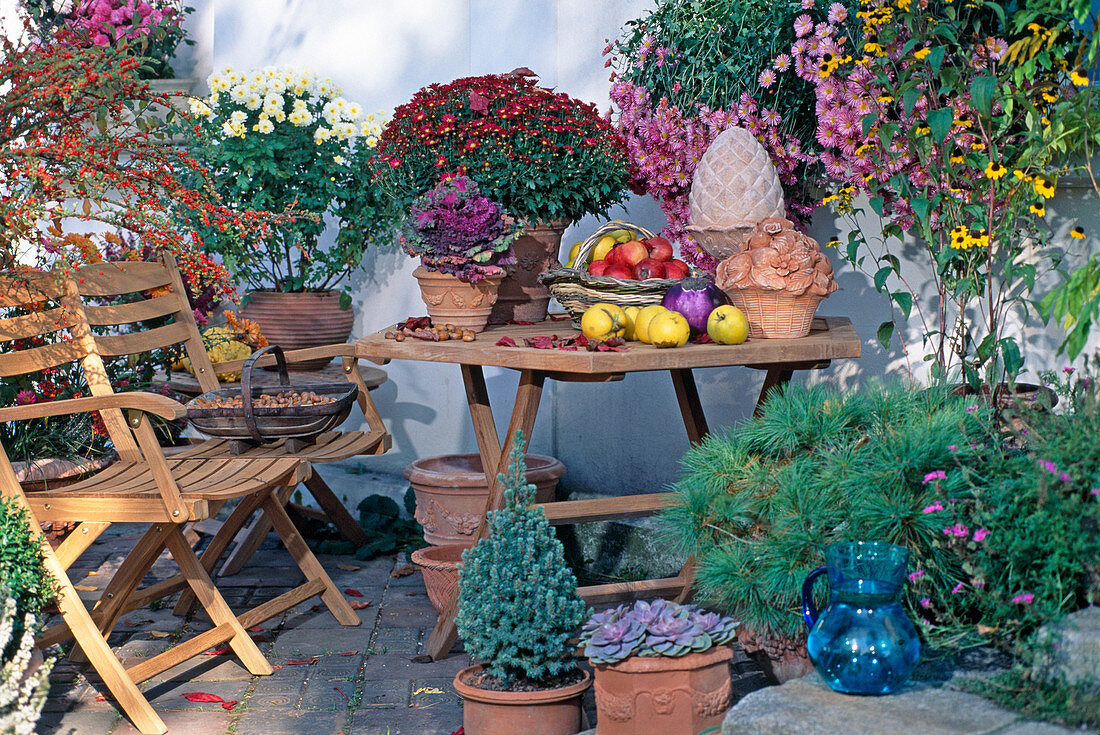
(777, 257)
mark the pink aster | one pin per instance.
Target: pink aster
(807, 4)
(766, 78)
(782, 62)
(925, 602)
(981, 534)
(24, 397)
(803, 25)
(837, 13)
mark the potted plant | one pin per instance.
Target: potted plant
(547, 158)
(957, 140)
(777, 278)
(463, 243)
(281, 140)
(518, 613)
(660, 667)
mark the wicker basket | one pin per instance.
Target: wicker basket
(439, 565)
(775, 314)
(577, 290)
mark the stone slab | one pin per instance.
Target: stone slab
(807, 706)
(1074, 654)
(283, 722)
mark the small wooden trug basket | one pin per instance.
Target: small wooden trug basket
(251, 425)
(576, 289)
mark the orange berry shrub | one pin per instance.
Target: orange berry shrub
(947, 117)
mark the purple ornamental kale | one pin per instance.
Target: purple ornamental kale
(614, 641)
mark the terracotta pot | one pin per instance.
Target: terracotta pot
(42, 474)
(439, 568)
(295, 321)
(1026, 394)
(545, 712)
(522, 295)
(782, 659)
(451, 300)
(661, 694)
(451, 491)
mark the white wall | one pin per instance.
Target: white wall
(617, 437)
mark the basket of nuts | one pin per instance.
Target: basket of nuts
(267, 414)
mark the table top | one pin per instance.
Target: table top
(829, 338)
(182, 381)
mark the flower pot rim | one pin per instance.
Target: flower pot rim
(290, 294)
(422, 272)
(522, 699)
(647, 664)
(421, 471)
(438, 556)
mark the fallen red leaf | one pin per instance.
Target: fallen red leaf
(302, 661)
(460, 731)
(360, 605)
(259, 638)
(352, 593)
(559, 317)
(506, 342)
(702, 339)
(210, 698)
(219, 651)
(403, 571)
(348, 653)
(256, 629)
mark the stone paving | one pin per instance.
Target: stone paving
(367, 680)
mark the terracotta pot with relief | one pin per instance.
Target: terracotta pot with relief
(522, 295)
(679, 695)
(295, 321)
(782, 658)
(450, 300)
(538, 712)
(451, 491)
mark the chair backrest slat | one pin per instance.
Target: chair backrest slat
(34, 359)
(137, 311)
(117, 279)
(117, 345)
(34, 324)
(27, 287)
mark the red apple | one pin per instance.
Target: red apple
(632, 253)
(612, 256)
(597, 267)
(676, 269)
(649, 268)
(619, 271)
(659, 249)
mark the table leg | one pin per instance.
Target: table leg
(691, 408)
(493, 455)
(775, 377)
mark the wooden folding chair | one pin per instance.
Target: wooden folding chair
(143, 486)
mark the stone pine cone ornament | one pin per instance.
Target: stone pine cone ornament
(657, 628)
(518, 608)
(777, 257)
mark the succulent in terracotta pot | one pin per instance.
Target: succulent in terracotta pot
(777, 278)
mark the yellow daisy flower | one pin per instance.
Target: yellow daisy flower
(1078, 233)
(1078, 78)
(1038, 209)
(995, 171)
(922, 53)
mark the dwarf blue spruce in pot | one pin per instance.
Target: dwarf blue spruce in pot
(455, 229)
(657, 628)
(518, 608)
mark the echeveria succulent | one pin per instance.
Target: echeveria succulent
(653, 628)
(615, 640)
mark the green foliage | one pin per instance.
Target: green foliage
(1037, 698)
(758, 506)
(517, 602)
(21, 566)
(387, 529)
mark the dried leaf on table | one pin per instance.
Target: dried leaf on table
(506, 342)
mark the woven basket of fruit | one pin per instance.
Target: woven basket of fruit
(620, 263)
(267, 414)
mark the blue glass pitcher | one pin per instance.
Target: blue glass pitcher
(863, 642)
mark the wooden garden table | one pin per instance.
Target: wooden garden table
(829, 338)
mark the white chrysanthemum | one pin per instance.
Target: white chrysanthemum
(353, 111)
(272, 102)
(331, 113)
(238, 117)
(233, 130)
(320, 135)
(299, 105)
(212, 100)
(279, 116)
(276, 85)
(218, 83)
(239, 93)
(200, 108)
(344, 130)
(254, 101)
(371, 141)
(300, 118)
(370, 129)
(265, 126)
(338, 160)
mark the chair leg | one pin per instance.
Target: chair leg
(214, 604)
(254, 535)
(112, 602)
(87, 636)
(335, 510)
(307, 562)
(217, 547)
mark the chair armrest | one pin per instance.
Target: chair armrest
(345, 349)
(152, 403)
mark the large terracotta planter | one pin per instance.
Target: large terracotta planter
(451, 491)
(545, 712)
(450, 300)
(295, 321)
(665, 695)
(782, 659)
(522, 295)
